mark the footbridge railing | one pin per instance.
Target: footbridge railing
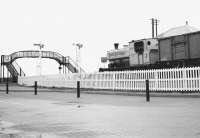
(35, 54)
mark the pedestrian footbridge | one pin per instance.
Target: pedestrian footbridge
(9, 61)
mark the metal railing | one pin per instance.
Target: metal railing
(18, 69)
(75, 64)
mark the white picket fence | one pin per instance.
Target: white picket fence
(182, 79)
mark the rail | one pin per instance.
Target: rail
(34, 54)
(75, 64)
(18, 69)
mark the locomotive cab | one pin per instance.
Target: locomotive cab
(143, 52)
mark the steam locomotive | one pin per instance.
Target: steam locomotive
(156, 53)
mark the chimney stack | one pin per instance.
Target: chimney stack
(116, 45)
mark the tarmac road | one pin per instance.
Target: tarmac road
(62, 115)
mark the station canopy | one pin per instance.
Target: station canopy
(178, 31)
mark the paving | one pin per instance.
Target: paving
(61, 115)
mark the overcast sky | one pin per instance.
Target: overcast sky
(97, 24)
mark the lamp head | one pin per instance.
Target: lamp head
(79, 45)
(39, 45)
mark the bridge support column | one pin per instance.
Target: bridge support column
(2, 66)
(3, 73)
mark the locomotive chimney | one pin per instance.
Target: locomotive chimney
(116, 45)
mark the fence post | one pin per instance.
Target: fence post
(156, 80)
(113, 80)
(35, 87)
(78, 89)
(147, 91)
(7, 86)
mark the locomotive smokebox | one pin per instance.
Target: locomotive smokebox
(116, 45)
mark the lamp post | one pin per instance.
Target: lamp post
(39, 66)
(78, 55)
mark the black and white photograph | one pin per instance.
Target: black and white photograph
(99, 69)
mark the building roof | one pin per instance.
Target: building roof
(178, 31)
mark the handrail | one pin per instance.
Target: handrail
(70, 60)
(34, 54)
(18, 69)
(12, 70)
(15, 69)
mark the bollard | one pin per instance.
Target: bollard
(147, 91)
(7, 87)
(35, 87)
(78, 89)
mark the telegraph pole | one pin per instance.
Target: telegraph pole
(152, 22)
(156, 22)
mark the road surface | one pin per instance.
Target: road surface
(62, 115)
